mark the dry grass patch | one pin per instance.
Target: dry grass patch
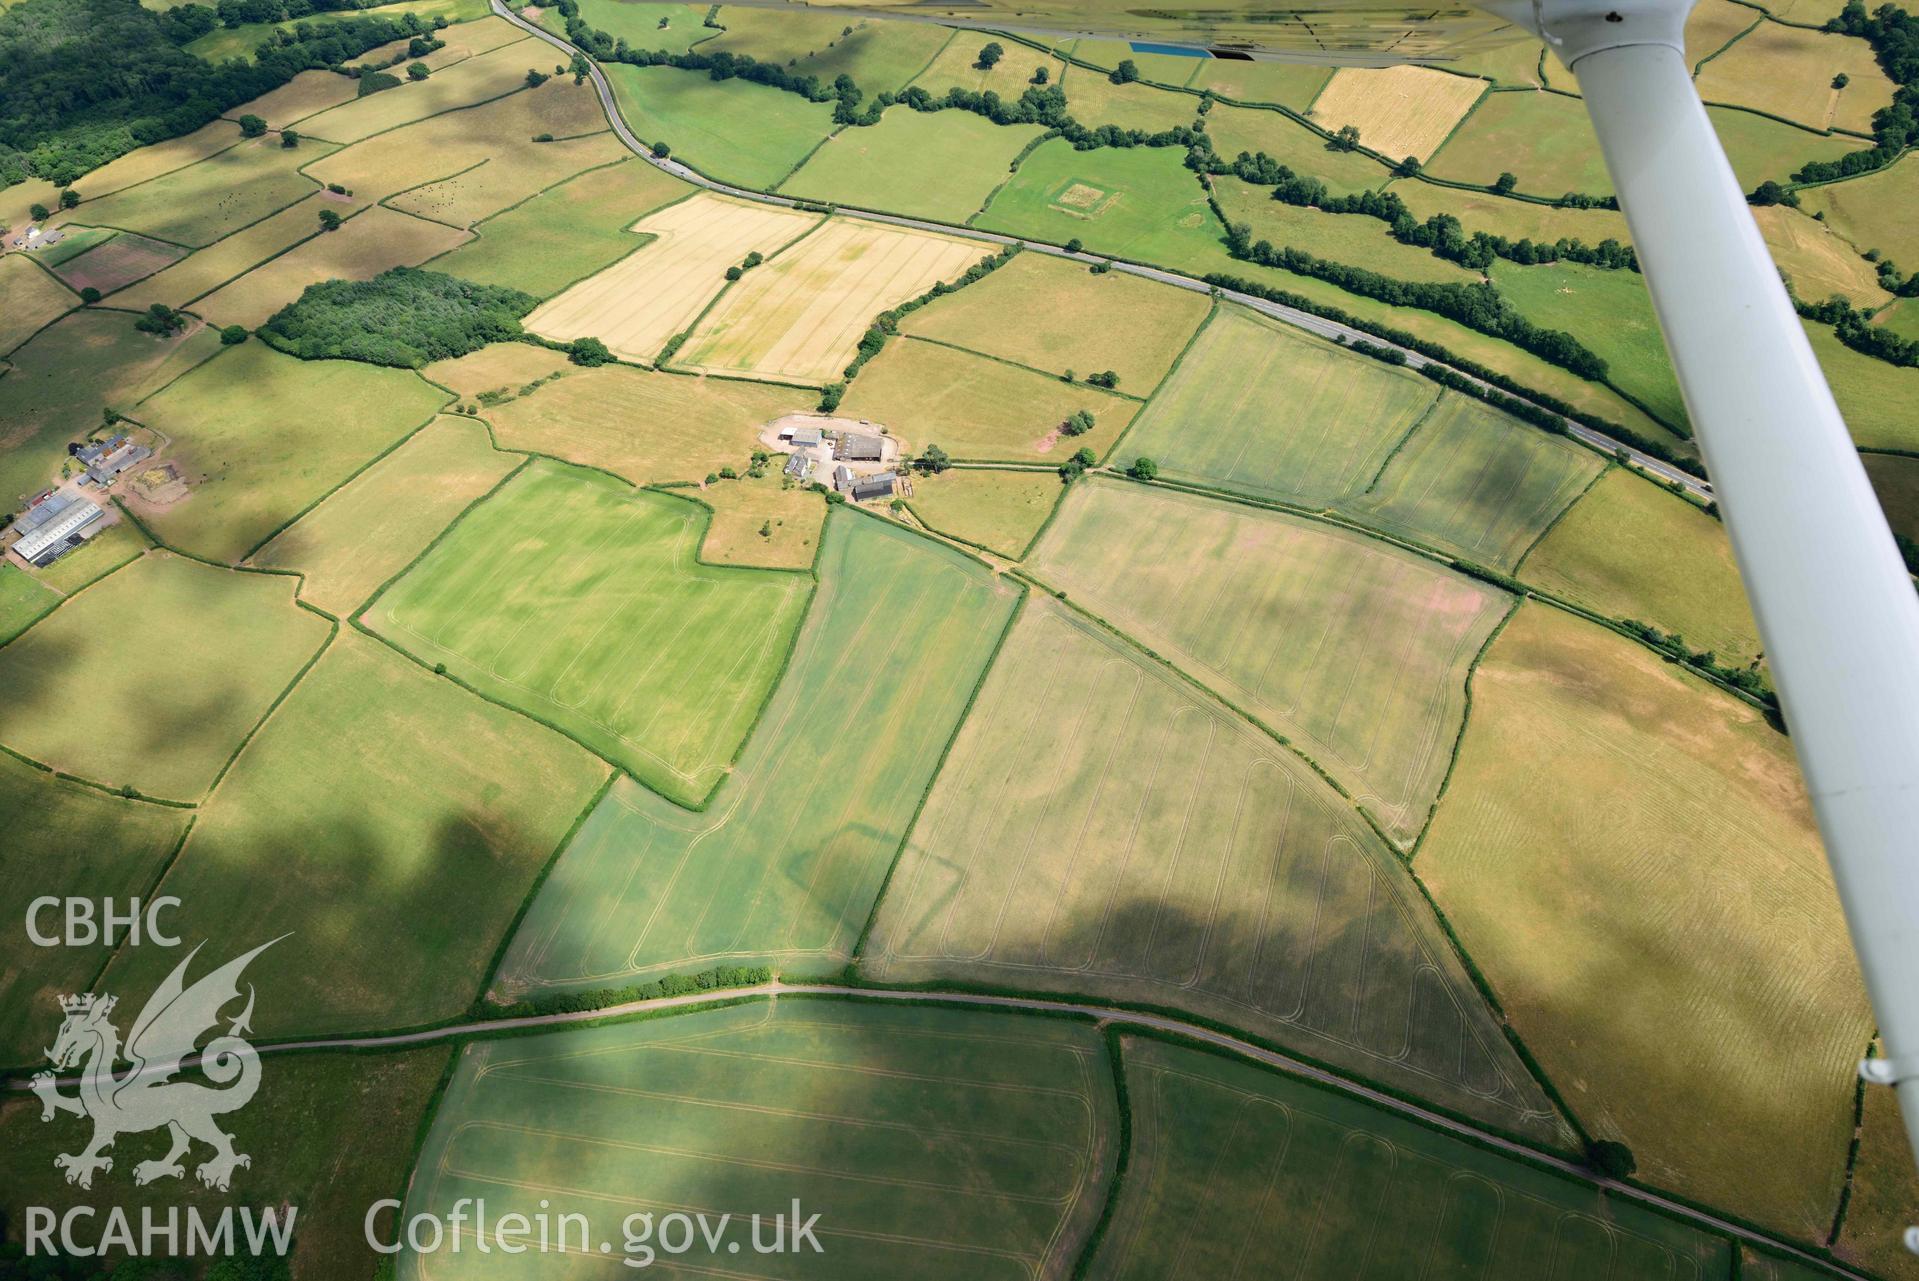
(205, 270)
(639, 302)
(799, 317)
(1399, 111)
(119, 262)
(742, 509)
(1874, 210)
(1820, 262)
(647, 427)
(502, 367)
(1628, 856)
(30, 300)
(1001, 511)
(508, 176)
(365, 246)
(307, 94)
(1056, 315)
(1788, 72)
(1094, 100)
(977, 408)
(462, 84)
(215, 197)
(367, 531)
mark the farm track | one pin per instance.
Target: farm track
(1300, 319)
(1103, 1015)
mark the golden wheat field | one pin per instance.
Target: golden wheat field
(1399, 111)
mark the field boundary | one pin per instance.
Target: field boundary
(1111, 1036)
(1465, 719)
(1054, 375)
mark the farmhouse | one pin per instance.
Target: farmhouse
(104, 460)
(858, 447)
(54, 528)
(799, 465)
(880, 486)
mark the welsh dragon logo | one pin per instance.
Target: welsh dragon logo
(145, 1097)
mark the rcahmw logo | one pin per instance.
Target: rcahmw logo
(145, 1096)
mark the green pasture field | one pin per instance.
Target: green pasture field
(1357, 239)
(249, 470)
(1056, 315)
(1895, 478)
(880, 56)
(32, 299)
(566, 233)
(329, 1133)
(1134, 202)
(390, 823)
(638, 23)
(199, 204)
(1628, 856)
(1882, 1192)
(1094, 100)
(118, 261)
(937, 1143)
(1871, 210)
(1104, 55)
(732, 130)
(204, 271)
(1819, 262)
(580, 600)
(27, 594)
(1237, 129)
(62, 839)
(1290, 84)
(1356, 650)
(515, 171)
(941, 164)
(1542, 139)
(1629, 549)
(1880, 401)
(171, 661)
(1259, 407)
(1101, 828)
(1762, 149)
(22, 600)
(1514, 219)
(1900, 317)
(648, 427)
(498, 71)
(1514, 66)
(957, 66)
(224, 43)
(1611, 313)
(372, 527)
(976, 407)
(1239, 1171)
(76, 242)
(1474, 482)
(786, 862)
(1787, 71)
(998, 510)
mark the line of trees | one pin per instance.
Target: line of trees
(716, 979)
(887, 323)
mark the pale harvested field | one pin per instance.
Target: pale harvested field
(30, 299)
(743, 507)
(639, 302)
(499, 367)
(1628, 856)
(366, 246)
(367, 531)
(307, 94)
(461, 85)
(1788, 72)
(1399, 111)
(800, 316)
(1100, 827)
(497, 136)
(207, 269)
(1820, 262)
(119, 262)
(647, 427)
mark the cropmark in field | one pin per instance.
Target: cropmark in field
(785, 863)
(1102, 828)
(639, 302)
(931, 1143)
(1355, 649)
(581, 600)
(800, 317)
(1399, 111)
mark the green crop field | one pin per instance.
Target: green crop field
(33, 299)
(1542, 139)
(62, 840)
(1138, 202)
(328, 1133)
(22, 600)
(1057, 315)
(581, 601)
(173, 661)
(249, 473)
(1895, 478)
(941, 164)
(1472, 481)
(1094, 100)
(1880, 401)
(1084, 834)
(391, 822)
(372, 527)
(1870, 211)
(730, 129)
(1628, 856)
(787, 860)
(1257, 406)
(1349, 238)
(1243, 1172)
(201, 203)
(566, 233)
(639, 23)
(998, 510)
(1629, 549)
(975, 407)
(1353, 648)
(1237, 129)
(934, 1143)
(879, 56)
(1611, 313)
